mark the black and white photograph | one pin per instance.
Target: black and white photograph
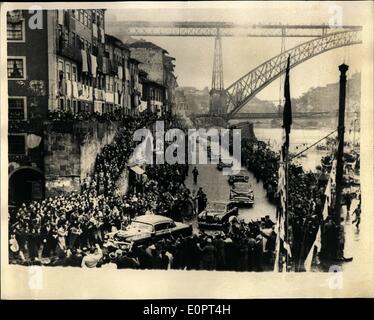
(198, 149)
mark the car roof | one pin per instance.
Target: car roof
(242, 185)
(152, 219)
(241, 173)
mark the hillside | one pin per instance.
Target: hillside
(327, 98)
(315, 99)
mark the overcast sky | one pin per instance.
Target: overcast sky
(194, 56)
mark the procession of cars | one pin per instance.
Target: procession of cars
(145, 229)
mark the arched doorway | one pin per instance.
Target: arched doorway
(25, 185)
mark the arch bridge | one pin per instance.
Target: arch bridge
(232, 99)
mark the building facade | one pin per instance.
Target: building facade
(159, 86)
(66, 65)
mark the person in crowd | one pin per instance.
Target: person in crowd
(209, 253)
(92, 258)
(195, 173)
(357, 219)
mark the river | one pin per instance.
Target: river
(300, 139)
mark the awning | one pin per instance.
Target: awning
(137, 169)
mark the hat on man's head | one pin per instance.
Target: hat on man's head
(112, 255)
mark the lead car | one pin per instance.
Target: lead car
(144, 230)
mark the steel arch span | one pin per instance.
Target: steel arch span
(241, 91)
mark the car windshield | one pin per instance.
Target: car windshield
(216, 207)
(240, 175)
(142, 226)
(241, 187)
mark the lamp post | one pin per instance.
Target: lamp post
(343, 68)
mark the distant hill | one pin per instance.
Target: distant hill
(327, 98)
(256, 105)
(315, 99)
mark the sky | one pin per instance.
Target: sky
(194, 55)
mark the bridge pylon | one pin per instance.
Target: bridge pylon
(218, 97)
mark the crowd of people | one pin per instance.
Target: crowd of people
(306, 198)
(57, 228)
(69, 230)
(245, 247)
(48, 228)
(69, 116)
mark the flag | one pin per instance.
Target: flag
(277, 251)
(287, 110)
(316, 245)
(282, 174)
(328, 203)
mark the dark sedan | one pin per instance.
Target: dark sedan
(216, 215)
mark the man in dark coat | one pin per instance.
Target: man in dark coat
(209, 254)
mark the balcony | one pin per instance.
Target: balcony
(67, 50)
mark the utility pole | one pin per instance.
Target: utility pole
(343, 68)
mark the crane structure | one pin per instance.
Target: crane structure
(227, 102)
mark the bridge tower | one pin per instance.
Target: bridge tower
(217, 92)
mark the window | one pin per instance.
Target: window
(16, 31)
(76, 14)
(85, 22)
(81, 42)
(68, 71)
(111, 81)
(162, 226)
(16, 68)
(66, 37)
(61, 104)
(73, 41)
(17, 144)
(74, 73)
(75, 106)
(60, 65)
(81, 19)
(68, 104)
(60, 70)
(17, 108)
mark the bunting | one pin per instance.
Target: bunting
(316, 247)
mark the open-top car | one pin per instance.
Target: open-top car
(145, 229)
(224, 163)
(240, 177)
(242, 193)
(216, 215)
